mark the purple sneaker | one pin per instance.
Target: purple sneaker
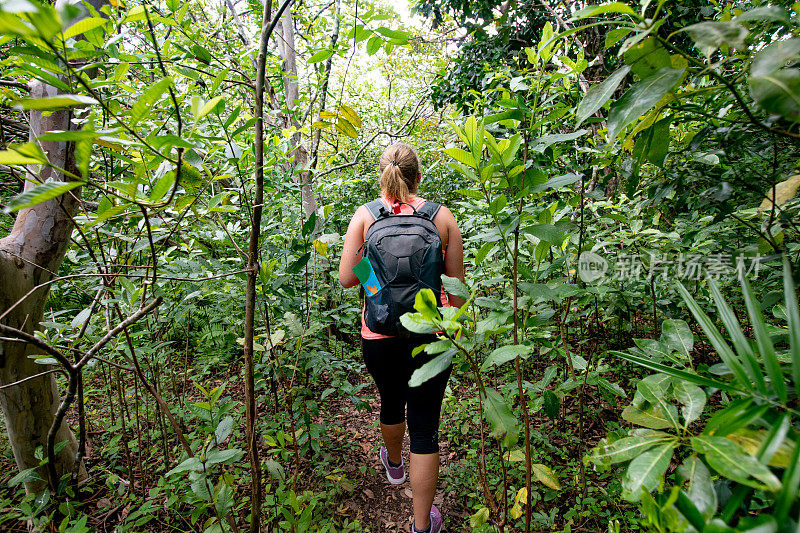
(436, 521)
(395, 475)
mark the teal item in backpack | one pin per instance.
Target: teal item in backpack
(405, 252)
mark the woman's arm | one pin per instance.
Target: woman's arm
(353, 240)
(454, 256)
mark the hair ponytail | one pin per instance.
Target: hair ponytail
(399, 166)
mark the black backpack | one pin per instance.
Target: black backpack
(406, 255)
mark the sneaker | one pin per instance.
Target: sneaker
(436, 521)
(395, 475)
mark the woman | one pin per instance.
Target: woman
(389, 359)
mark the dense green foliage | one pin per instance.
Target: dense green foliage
(625, 179)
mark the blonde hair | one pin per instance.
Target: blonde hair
(399, 166)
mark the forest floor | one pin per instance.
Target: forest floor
(378, 505)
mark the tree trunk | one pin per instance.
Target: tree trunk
(292, 91)
(29, 256)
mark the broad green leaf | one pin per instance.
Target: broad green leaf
(640, 98)
(692, 400)
(655, 389)
(51, 103)
(770, 448)
(350, 115)
(162, 186)
(778, 93)
(344, 126)
(192, 463)
(84, 25)
(147, 100)
(545, 476)
(425, 304)
(462, 156)
(698, 485)
(678, 335)
(320, 56)
(774, 57)
(771, 13)
(40, 193)
(81, 317)
(670, 371)
(506, 353)
(392, 34)
(546, 232)
(646, 471)
(545, 141)
(627, 448)
(415, 323)
(647, 57)
(373, 45)
(709, 36)
(598, 94)
(224, 456)
(455, 287)
(224, 500)
(765, 347)
(611, 7)
(209, 106)
(557, 182)
(223, 429)
(652, 417)
(23, 154)
(729, 460)
(431, 369)
(501, 419)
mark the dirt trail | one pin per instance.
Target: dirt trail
(380, 506)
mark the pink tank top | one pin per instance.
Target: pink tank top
(416, 202)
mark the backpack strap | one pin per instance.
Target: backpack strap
(377, 209)
(429, 209)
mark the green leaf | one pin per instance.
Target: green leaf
(344, 126)
(774, 57)
(224, 456)
(350, 115)
(52, 103)
(678, 335)
(557, 182)
(192, 463)
(209, 106)
(647, 57)
(455, 287)
(23, 154)
(224, 500)
(729, 460)
(41, 193)
(790, 485)
(651, 417)
(506, 353)
(320, 56)
(717, 341)
(793, 320)
(765, 347)
(552, 405)
(373, 45)
(224, 429)
(84, 25)
(162, 186)
(670, 371)
(778, 93)
(598, 94)
(698, 485)
(646, 471)
(545, 141)
(545, 476)
(640, 98)
(462, 156)
(743, 349)
(654, 389)
(425, 304)
(393, 34)
(415, 323)
(546, 232)
(692, 400)
(611, 7)
(501, 419)
(431, 369)
(147, 100)
(628, 448)
(26, 476)
(709, 36)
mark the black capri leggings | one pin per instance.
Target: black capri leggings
(390, 363)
